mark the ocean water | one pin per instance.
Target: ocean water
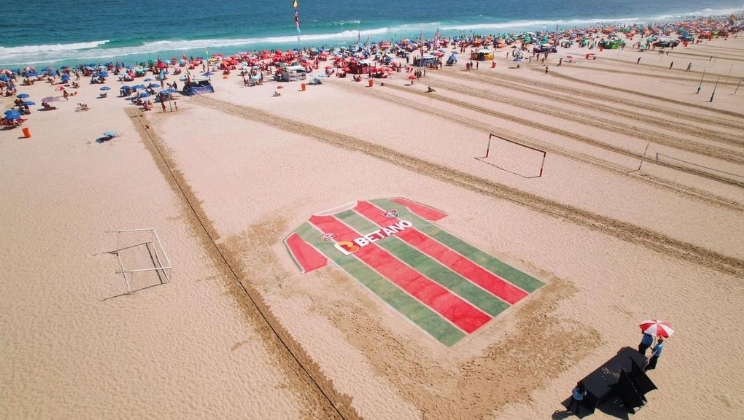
(49, 32)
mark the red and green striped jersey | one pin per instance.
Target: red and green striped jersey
(444, 285)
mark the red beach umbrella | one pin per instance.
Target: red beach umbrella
(412, 77)
(656, 327)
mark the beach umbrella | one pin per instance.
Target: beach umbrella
(154, 85)
(59, 88)
(22, 96)
(412, 77)
(29, 103)
(11, 112)
(105, 88)
(148, 79)
(109, 134)
(143, 94)
(656, 327)
(50, 99)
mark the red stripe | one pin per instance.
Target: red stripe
(450, 306)
(426, 212)
(447, 257)
(308, 257)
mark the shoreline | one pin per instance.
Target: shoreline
(363, 38)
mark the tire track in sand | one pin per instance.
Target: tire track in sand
(622, 230)
(303, 375)
(556, 94)
(569, 134)
(672, 110)
(652, 180)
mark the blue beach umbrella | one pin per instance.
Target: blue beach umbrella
(143, 94)
(22, 95)
(105, 88)
(136, 87)
(29, 103)
(109, 133)
(148, 79)
(154, 85)
(126, 87)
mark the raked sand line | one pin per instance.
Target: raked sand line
(665, 184)
(639, 105)
(670, 107)
(626, 231)
(320, 397)
(661, 183)
(662, 119)
(579, 137)
(613, 125)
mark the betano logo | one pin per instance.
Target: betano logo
(348, 248)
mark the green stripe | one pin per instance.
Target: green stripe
(501, 269)
(420, 314)
(429, 267)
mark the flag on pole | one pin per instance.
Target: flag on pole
(296, 17)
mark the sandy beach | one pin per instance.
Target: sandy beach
(637, 214)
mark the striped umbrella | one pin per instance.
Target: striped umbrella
(656, 327)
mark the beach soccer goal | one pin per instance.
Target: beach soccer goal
(514, 157)
(142, 259)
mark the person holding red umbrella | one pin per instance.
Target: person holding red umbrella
(655, 353)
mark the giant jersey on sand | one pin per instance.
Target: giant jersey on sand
(444, 285)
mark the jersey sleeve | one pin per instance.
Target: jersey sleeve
(304, 255)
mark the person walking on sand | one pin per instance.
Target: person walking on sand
(689, 66)
(546, 69)
(655, 353)
(577, 396)
(638, 61)
(646, 342)
(671, 65)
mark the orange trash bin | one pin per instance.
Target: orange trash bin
(370, 82)
(26, 132)
(302, 86)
